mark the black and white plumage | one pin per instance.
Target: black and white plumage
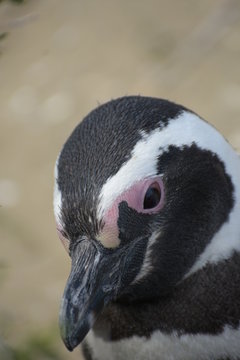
(147, 204)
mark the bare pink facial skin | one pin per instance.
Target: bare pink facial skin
(134, 196)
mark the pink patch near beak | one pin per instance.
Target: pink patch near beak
(134, 196)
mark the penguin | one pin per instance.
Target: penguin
(147, 205)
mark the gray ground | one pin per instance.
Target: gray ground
(58, 60)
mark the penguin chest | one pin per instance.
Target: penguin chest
(160, 346)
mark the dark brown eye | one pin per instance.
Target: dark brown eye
(152, 196)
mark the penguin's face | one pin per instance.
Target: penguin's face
(141, 190)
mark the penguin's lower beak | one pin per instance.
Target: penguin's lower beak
(93, 282)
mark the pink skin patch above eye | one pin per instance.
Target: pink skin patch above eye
(134, 196)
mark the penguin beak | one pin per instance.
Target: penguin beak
(93, 282)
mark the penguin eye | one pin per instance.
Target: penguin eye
(152, 196)
(145, 196)
(64, 239)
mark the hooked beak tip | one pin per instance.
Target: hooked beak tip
(69, 345)
(74, 331)
(71, 342)
(70, 339)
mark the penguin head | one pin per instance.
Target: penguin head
(145, 193)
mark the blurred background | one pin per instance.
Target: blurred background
(58, 60)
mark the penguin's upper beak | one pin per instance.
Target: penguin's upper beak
(94, 280)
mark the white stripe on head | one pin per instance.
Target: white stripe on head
(147, 264)
(184, 130)
(57, 198)
(142, 164)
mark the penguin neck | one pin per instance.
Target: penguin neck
(205, 302)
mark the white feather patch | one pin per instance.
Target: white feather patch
(168, 347)
(147, 265)
(57, 197)
(141, 165)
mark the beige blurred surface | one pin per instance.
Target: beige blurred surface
(60, 59)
